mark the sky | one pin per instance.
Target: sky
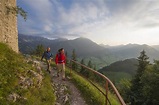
(110, 22)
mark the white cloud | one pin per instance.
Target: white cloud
(104, 21)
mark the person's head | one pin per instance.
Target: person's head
(48, 48)
(62, 50)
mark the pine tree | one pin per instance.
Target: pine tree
(90, 74)
(150, 81)
(82, 71)
(90, 64)
(74, 65)
(136, 88)
(95, 67)
(66, 57)
(39, 50)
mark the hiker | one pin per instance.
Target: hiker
(60, 61)
(48, 56)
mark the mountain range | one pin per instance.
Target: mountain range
(100, 55)
(156, 47)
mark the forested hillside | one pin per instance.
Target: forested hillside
(120, 70)
(128, 66)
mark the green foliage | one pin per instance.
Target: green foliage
(74, 65)
(116, 77)
(90, 74)
(90, 64)
(17, 10)
(12, 66)
(90, 93)
(128, 66)
(150, 81)
(137, 85)
(143, 88)
(39, 50)
(82, 71)
(124, 89)
(66, 54)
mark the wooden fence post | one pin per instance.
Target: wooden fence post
(106, 96)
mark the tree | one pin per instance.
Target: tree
(74, 65)
(73, 55)
(66, 54)
(90, 64)
(150, 81)
(17, 10)
(39, 50)
(137, 85)
(82, 71)
(90, 74)
(95, 67)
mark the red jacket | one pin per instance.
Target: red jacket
(60, 58)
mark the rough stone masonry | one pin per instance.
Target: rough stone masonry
(8, 24)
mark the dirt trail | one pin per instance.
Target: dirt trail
(66, 92)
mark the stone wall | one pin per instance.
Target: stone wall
(8, 25)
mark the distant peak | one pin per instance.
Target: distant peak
(82, 38)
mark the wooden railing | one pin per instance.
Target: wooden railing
(108, 83)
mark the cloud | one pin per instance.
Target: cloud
(100, 20)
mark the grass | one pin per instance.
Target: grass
(89, 92)
(11, 66)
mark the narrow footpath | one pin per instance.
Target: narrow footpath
(66, 92)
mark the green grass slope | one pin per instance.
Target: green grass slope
(12, 66)
(91, 95)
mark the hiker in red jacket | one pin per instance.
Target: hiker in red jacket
(60, 62)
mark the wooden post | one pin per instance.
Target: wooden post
(106, 97)
(70, 68)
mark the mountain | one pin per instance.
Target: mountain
(105, 46)
(28, 43)
(133, 51)
(156, 47)
(88, 50)
(83, 46)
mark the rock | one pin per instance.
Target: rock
(36, 63)
(39, 70)
(25, 82)
(14, 97)
(57, 103)
(35, 80)
(37, 76)
(61, 93)
(66, 99)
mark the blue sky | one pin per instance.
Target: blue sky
(111, 22)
